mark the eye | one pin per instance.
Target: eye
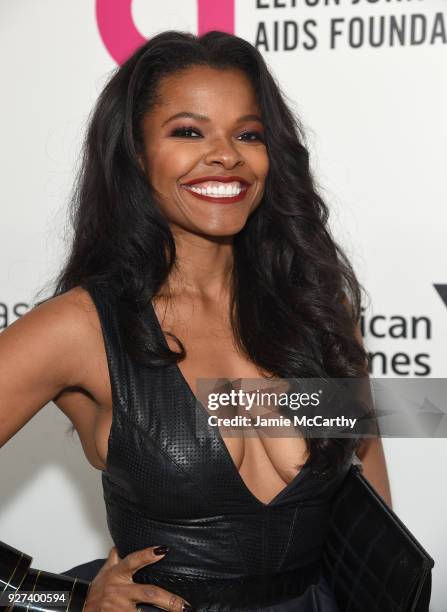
(182, 131)
(257, 135)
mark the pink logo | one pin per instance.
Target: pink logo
(121, 37)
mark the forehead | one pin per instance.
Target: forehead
(202, 87)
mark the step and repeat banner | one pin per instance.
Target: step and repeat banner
(368, 81)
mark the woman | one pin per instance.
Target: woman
(197, 226)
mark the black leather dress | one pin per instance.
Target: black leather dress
(170, 480)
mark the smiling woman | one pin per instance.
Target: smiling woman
(197, 226)
(179, 147)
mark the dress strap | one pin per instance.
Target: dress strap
(105, 306)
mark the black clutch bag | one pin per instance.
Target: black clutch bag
(371, 560)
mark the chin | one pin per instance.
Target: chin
(219, 231)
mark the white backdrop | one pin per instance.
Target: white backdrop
(376, 131)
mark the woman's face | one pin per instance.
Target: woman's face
(219, 136)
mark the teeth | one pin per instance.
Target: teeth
(218, 190)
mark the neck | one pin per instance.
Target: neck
(203, 267)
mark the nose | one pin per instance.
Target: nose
(225, 153)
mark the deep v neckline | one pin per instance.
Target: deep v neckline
(218, 436)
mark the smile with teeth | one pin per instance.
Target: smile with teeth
(217, 189)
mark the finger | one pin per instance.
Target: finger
(112, 558)
(138, 559)
(153, 594)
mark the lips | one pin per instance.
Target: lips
(218, 199)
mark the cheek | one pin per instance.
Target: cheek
(160, 172)
(266, 165)
(260, 164)
(170, 164)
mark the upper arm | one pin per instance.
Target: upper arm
(40, 354)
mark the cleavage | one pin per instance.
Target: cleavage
(265, 473)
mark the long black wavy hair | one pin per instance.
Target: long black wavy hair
(295, 297)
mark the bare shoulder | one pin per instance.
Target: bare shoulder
(79, 323)
(54, 346)
(75, 306)
(73, 309)
(56, 332)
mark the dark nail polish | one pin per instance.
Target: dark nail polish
(161, 550)
(187, 608)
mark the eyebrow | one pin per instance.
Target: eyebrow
(199, 117)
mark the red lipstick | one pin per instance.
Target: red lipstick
(221, 179)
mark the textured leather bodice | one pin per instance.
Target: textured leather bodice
(170, 480)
